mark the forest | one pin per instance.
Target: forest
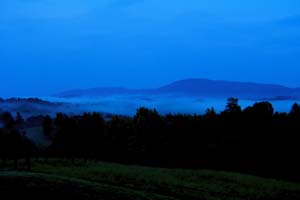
(255, 140)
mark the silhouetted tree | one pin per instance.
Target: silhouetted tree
(19, 119)
(47, 126)
(295, 111)
(14, 146)
(232, 106)
(150, 128)
(255, 140)
(122, 138)
(92, 135)
(210, 113)
(8, 120)
(66, 141)
(263, 110)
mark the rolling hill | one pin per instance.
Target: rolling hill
(203, 88)
(31, 106)
(58, 178)
(184, 96)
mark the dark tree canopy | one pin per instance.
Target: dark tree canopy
(255, 140)
(8, 120)
(295, 111)
(263, 110)
(233, 106)
(47, 126)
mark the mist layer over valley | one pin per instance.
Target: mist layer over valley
(128, 104)
(191, 96)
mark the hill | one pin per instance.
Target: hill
(200, 88)
(92, 180)
(30, 106)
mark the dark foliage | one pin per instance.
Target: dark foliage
(255, 140)
(13, 143)
(48, 126)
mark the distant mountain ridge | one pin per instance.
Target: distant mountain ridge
(37, 101)
(101, 91)
(203, 88)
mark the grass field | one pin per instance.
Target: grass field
(58, 178)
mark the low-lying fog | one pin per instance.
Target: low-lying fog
(128, 104)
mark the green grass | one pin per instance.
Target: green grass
(43, 186)
(112, 181)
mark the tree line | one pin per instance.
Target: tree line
(255, 140)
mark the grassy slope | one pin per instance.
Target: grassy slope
(43, 186)
(113, 181)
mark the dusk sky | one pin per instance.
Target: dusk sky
(48, 46)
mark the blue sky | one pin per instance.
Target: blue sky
(47, 46)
